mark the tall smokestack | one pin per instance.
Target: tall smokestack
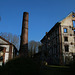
(24, 36)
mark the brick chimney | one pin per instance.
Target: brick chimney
(24, 36)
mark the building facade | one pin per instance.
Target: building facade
(59, 42)
(7, 51)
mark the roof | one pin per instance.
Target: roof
(6, 40)
(71, 13)
(58, 23)
(51, 30)
(8, 44)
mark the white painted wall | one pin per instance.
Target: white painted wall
(1, 63)
(3, 42)
(12, 51)
(6, 46)
(7, 52)
(6, 57)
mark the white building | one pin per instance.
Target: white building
(7, 51)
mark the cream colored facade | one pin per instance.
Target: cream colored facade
(68, 24)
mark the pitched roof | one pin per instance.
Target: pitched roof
(50, 31)
(6, 40)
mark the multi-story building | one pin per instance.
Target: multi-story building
(59, 43)
(7, 51)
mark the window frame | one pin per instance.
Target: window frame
(66, 47)
(65, 30)
(73, 21)
(65, 39)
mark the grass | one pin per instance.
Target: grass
(56, 70)
(58, 66)
(23, 66)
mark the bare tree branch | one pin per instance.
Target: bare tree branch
(14, 39)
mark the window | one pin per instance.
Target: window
(1, 58)
(70, 34)
(48, 38)
(74, 39)
(74, 31)
(71, 43)
(66, 48)
(65, 38)
(73, 16)
(74, 24)
(65, 30)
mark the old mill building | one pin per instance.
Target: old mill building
(7, 51)
(58, 45)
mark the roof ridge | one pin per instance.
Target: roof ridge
(5, 40)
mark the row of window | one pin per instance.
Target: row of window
(66, 39)
(55, 50)
(65, 29)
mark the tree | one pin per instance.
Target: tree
(14, 39)
(40, 48)
(33, 47)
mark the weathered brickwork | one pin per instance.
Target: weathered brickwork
(24, 36)
(59, 42)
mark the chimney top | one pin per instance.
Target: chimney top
(25, 13)
(46, 33)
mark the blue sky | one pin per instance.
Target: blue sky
(43, 14)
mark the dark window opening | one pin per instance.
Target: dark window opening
(74, 31)
(73, 16)
(71, 43)
(1, 54)
(74, 39)
(66, 48)
(48, 38)
(65, 30)
(70, 34)
(74, 24)
(65, 38)
(1, 58)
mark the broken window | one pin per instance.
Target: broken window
(70, 34)
(1, 58)
(65, 30)
(74, 31)
(74, 39)
(65, 38)
(74, 24)
(73, 16)
(48, 38)
(1, 55)
(66, 48)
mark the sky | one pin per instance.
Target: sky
(43, 14)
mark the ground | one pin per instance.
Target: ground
(27, 66)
